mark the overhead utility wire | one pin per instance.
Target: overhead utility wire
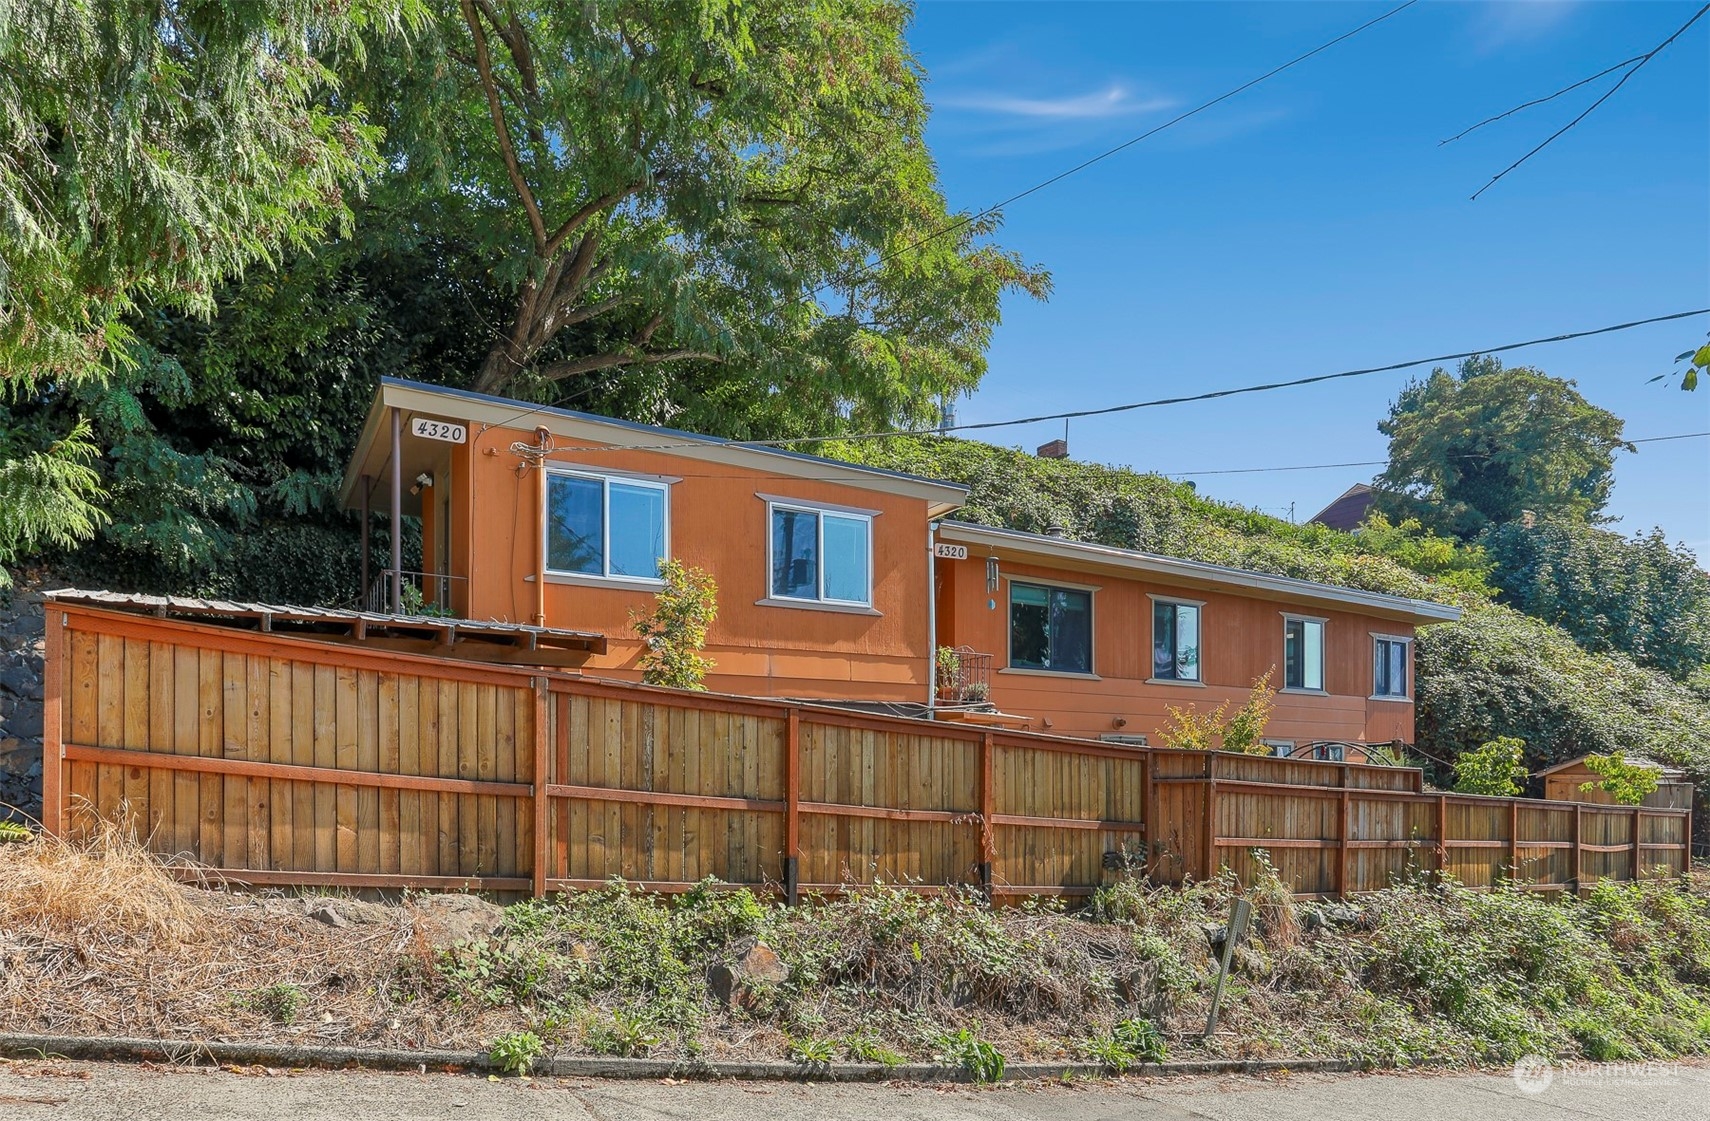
(967, 220)
(1637, 66)
(1383, 462)
(1209, 396)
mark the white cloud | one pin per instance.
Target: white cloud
(1519, 21)
(1112, 101)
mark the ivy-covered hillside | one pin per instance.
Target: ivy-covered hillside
(1497, 672)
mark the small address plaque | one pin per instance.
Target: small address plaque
(439, 430)
(948, 551)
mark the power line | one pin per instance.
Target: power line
(1637, 66)
(968, 220)
(1156, 403)
(1382, 462)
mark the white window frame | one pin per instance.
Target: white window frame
(820, 513)
(605, 480)
(1322, 688)
(1404, 640)
(1152, 646)
(1280, 749)
(1009, 627)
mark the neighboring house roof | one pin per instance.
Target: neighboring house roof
(418, 398)
(508, 643)
(1667, 771)
(1195, 574)
(1349, 509)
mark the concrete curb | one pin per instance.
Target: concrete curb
(119, 1049)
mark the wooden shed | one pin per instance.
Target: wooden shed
(1562, 783)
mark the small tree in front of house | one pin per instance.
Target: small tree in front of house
(674, 635)
(1628, 783)
(1495, 768)
(1206, 731)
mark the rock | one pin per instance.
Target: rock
(340, 913)
(20, 682)
(1328, 915)
(1142, 988)
(445, 920)
(26, 723)
(327, 913)
(751, 962)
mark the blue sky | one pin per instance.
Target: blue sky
(1315, 224)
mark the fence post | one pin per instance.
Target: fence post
(1578, 853)
(988, 809)
(542, 776)
(1343, 839)
(1147, 817)
(792, 804)
(1514, 839)
(1442, 837)
(53, 737)
(1209, 864)
(1638, 815)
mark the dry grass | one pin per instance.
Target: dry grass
(104, 890)
(98, 937)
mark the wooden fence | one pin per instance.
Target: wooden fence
(286, 760)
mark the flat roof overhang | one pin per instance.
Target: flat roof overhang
(1082, 557)
(482, 412)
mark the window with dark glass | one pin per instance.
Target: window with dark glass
(1175, 641)
(1303, 654)
(605, 527)
(822, 555)
(1050, 628)
(1389, 668)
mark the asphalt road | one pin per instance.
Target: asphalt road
(97, 1092)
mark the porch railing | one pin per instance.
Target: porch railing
(964, 676)
(424, 593)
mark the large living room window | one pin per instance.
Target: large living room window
(606, 527)
(1303, 653)
(1175, 640)
(1050, 628)
(823, 556)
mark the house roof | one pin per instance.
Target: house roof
(1349, 509)
(1194, 574)
(419, 399)
(491, 641)
(1664, 769)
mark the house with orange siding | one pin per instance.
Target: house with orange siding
(844, 583)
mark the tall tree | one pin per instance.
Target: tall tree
(1485, 445)
(702, 204)
(148, 150)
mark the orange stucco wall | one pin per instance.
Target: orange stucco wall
(1241, 638)
(717, 522)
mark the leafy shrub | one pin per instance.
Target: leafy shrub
(865, 1049)
(1496, 768)
(972, 1055)
(1196, 731)
(812, 1052)
(515, 1052)
(623, 1034)
(1129, 1042)
(279, 1003)
(1628, 783)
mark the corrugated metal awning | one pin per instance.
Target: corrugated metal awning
(470, 640)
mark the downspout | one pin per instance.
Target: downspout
(540, 509)
(931, 619)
